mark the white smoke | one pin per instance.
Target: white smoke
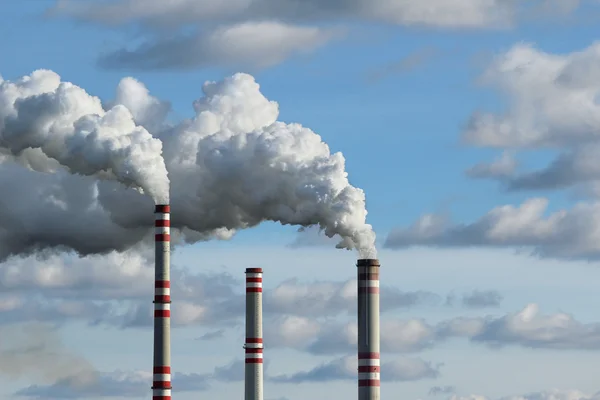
(230, 167)
(70, 126)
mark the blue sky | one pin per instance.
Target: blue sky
(398, 97)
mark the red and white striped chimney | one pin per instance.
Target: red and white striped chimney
(368, 330)
(254, 338)
(161, 383)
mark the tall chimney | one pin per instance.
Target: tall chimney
(161, 382)
(254, 338)
(368, 329)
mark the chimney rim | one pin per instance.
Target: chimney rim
(368, 262)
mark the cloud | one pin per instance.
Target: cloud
(111, 384)
(345, 368)
(212, 335)
(115, 289)
(529, 328)
(433, 13)
(565, 234)
(248, 44)
(551, 99)
(438, 390)
(482, 298)
(550, 104)
(397, 336)
(552, 394)
(406, 64)
(291, 331)
(320, 299)
(35, 350)
(526, 328)
(503, 167)
(232, 372)
(265, 32)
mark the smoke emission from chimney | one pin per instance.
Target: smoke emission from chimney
(70, 126)
(229, 167)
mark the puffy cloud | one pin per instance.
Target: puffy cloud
(71, 127)
(551, 103)
(116, 290)
(397, 336)
(345, 368)
(526, 328)
(46, 123)
(529, 328)
(291, 331)
(551, 99)
(562, 234)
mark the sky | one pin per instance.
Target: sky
(453, 139)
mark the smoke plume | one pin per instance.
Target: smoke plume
(231, 166)
(70, 126)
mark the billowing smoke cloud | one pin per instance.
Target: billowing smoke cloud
(230, 167)
(70, 126)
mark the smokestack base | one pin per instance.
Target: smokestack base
(368, 262)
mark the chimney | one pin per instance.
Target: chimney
(368, 329)
(254, 338)
(161, 382)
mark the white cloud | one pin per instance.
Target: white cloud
(115, 384)
(36, 351)
(345, 368)
(436, 13)
(249, 44)
(482, 298)
(503, 167)
(551, 103)
(265, 32)
(526, 328)
(551, 99)
(322, 298)
(563, 234)
(552, 394)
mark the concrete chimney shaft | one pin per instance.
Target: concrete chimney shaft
(368, 330)
(254, 335)
(161, 382)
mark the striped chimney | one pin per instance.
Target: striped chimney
(254, 338)
(161, 383)
(368, 329)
